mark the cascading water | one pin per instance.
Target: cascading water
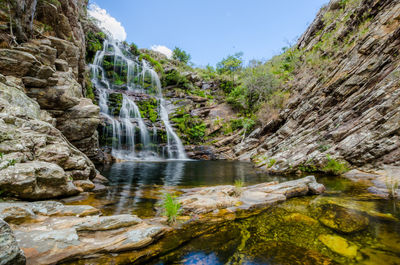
(128, 130)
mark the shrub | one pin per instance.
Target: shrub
(271, 162)
(181, 55)
(133, 48)
(172, 207)
(192, 129)
(335, 167)
(94, 43)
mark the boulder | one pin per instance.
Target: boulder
(38, 161)
(10, 253)
(36, 180)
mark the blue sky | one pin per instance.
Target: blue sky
(212, 29)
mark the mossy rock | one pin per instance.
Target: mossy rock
(343, 220)
(339, 245)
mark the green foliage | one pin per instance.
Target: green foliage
(322, 148)
(10, 162)
(239, 183)
(308, 167)
(94, 43)
(133, 48)
(230, 64)
(175, 78)
(172, 207)
(148, 109)
(89, 93)
(246, 123)
(271, 163)
(154, 63)
(192, 129)
(181, 55)
(335, 167)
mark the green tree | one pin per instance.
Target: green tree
(181, 55)
(230, 65)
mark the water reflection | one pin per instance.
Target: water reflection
(138, 186)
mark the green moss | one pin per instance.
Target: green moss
(148, 109)
(191, 129)
(174, 78)
(94, 43)
(115, 101)
(154, 63)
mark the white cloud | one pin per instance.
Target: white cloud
(162, 49)
(107, 22)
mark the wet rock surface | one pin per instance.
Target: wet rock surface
(231, 198)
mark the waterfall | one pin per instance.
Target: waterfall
(127, 133)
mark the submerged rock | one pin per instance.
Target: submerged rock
(342, 219)
(10, 253)
(339, 245)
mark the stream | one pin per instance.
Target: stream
(346, 225)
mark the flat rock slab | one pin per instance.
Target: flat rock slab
(209, 199)
(19, 212)
(51, 236)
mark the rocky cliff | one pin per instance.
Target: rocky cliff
(345, 93)
(46, 123)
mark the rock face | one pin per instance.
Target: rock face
(64, 233)
(38, 162)
(347, 105)
(52, 68)
(10, 253)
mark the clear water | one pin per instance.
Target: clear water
(286, 234)
(137, 187)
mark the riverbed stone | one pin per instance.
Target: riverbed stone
(339, 245)
(10, 253)
(343, 220)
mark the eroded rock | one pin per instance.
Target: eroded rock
(10, 253)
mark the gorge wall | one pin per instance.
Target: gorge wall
(345, 93)
(46, 123)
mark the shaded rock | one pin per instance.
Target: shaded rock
(16, 63)
(342, 220)
(85, 185)
(10, 253)
(80, 121)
